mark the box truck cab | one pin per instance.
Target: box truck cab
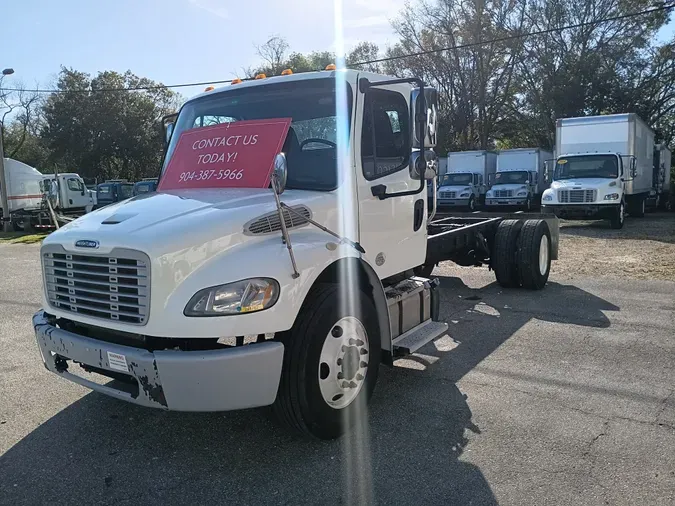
(214, 297)
(147, 185)
(520, 178)
(112, 191)
(69, 194)
(603, 169)
(465, 181)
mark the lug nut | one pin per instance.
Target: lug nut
(339, 361)
(359, 376)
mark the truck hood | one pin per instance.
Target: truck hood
(168, 217)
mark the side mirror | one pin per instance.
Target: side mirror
(280, 174)
(548, 170)
(168, 123)
(424, 166)
(426, 105)
(490, 179)
(633, 167)
(83, 192)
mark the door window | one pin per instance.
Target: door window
(126, 191)
(75, 185)
(385, 139)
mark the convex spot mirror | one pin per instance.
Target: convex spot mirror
(426, 105)
(424, 167)
(280, 173)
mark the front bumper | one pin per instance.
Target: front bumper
(512, 201)
(582, 211)
(212, 380)
(464, 202)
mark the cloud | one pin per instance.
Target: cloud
(215, 7)
(367, 22)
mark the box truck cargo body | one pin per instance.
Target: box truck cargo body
(520, 178)
(465, 181)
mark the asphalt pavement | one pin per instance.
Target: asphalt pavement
(564, 396)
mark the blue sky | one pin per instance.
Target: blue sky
(173, 41)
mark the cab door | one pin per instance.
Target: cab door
(76, 193)
(392, 230)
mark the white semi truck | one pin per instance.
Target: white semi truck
(465, 181)
(603, 168)
(231, 298)
(660, 195)
(520, 178)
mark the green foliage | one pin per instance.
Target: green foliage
(106, 134)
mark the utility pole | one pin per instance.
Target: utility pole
(6, 219)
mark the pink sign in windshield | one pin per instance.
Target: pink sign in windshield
(230, 155)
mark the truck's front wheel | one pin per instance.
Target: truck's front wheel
(617, 220)
(331, 361)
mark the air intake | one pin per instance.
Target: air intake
(270, 223)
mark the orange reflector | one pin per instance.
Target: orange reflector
(260, 76)
(287, 72)
(331, 66)
(209, 88)
(236, 80)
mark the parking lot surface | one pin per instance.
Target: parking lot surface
(564, 396)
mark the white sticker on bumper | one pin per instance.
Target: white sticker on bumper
(117, 362)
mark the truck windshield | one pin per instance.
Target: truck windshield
(310, 145)
(587, 166)
(512, 177)
(456, 179)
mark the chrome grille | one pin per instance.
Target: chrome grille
(111, 287)
(270, 222)
(448, 195)
(503, 193)
(577, 196)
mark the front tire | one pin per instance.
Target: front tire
(331, 361)
(619, 217)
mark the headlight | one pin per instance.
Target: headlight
(464, 194)
(547, 198)
(521, 194)
(612, 196)
(246, 296)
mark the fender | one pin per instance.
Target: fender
(348, 268)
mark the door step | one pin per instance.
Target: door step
(411, 341)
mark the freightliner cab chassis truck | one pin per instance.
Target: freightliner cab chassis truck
(204, 299)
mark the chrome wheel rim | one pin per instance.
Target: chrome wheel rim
(543, 255)
(343, 363)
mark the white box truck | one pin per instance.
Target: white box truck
(520, 178)
(660, 195)
(465, 181)
(603, 169)
(215, 299)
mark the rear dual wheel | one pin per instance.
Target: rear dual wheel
(522, 254)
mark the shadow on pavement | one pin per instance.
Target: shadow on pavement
(99, 450)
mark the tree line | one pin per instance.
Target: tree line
(504, 71)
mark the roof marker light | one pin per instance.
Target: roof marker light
(236, 80)
(209, 88)
(260, 76)
(331, 66)
(287, 72)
